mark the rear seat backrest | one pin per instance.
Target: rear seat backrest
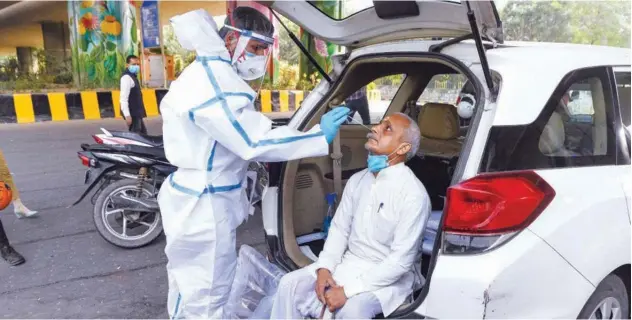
(439, 127)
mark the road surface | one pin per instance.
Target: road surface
(71, 272)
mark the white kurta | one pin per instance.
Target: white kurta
(211, 131)
(376, 233)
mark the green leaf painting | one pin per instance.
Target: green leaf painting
(103, 33)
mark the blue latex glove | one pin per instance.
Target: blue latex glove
(377, 163)
(331, 121)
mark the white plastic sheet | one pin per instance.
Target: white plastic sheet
(256, 282)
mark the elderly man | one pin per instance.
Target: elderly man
(366, 265)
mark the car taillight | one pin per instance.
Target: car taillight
(97, 139)
(84, 160)
(489, 207)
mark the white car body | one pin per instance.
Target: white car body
(551, 268)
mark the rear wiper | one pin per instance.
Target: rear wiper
(303, 49)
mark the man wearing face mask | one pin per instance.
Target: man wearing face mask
(131, 98)
(366, 265)
(211, 131)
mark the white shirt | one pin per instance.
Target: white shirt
(376, 233)
(127, 83)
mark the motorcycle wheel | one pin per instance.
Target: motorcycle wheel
(137, 229)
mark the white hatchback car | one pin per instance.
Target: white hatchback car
(530, 195)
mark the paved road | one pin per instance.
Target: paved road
(71, 272)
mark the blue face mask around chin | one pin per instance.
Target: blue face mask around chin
(250, 54)
(133, 69)
(377, 162)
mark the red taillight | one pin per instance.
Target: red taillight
(84, 160)
(458, 99)
(97, 139)
(493, 204)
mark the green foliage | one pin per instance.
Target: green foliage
(586, 22)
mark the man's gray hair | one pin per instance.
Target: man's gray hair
(412, 135)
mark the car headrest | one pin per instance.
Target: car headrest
(439, 121)
(553, 135)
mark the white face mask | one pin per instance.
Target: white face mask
(251, 67)
(248, 65)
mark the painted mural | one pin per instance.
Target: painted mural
(318, 48)
(103, 34)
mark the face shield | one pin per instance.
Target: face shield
(250, 58)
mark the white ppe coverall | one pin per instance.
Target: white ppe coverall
(373, 241)
(211, 130)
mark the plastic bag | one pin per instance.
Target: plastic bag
(256, 282)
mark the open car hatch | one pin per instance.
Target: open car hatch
(394, 20)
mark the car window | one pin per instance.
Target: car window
(448, 89)
(369, 104)
(574, 129)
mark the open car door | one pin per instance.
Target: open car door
(394, 20)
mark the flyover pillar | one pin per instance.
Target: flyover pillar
(102, 34)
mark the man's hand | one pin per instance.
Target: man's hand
(128, 120)
(335, 298)
(323, 281)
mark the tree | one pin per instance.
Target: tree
(288, 51)
(601, 23)
(546, 21)
(586, 22)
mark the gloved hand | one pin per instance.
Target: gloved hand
(331, 121)
(377, 162)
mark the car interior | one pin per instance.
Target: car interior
(578, 129)
(306, 182)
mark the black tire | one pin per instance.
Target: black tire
(611, 287)
(103, 230)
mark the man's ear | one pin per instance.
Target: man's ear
(404, 150)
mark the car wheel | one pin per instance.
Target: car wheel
(609, 301)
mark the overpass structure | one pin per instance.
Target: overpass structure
(69, 29)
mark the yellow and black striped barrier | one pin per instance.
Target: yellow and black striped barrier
(93, 105)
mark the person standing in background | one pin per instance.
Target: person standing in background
(20, 210)
(359, 102)
(132, 105)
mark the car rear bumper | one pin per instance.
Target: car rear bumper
(525, 278)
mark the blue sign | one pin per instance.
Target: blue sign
(150, 23)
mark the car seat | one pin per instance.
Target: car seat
(439, 127)
(553, 137)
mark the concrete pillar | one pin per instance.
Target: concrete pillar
(26, 59)
(56, 39)
(102, 35)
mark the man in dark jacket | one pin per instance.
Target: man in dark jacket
(131, 98)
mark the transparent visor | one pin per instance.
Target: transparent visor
(250, 59)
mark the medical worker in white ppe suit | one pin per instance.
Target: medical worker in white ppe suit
(211, 131)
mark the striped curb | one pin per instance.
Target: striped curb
(94, 105)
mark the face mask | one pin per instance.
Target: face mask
(133, 69)
(378, 162)
(251, 67)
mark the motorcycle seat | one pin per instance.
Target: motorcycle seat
(154, 141)
(151, 152)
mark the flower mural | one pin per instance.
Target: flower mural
(111, 26)
(102, 34)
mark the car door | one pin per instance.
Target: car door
(587, 223)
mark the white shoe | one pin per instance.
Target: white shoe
(21, 211)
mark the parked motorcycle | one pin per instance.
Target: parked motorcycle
(127, 170)
(127, 179)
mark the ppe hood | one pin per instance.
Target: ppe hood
(394, 20)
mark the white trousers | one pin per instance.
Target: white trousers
(296, 298)
(201, 252)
